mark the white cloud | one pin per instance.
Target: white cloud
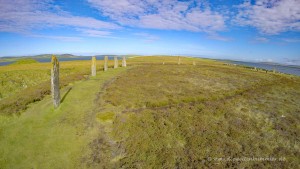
(147, 37)
(261, 39)
(218, 37)
(95, 33)
(61, 38)
(291, 61)
(157, 14)
(291, 40)
(270, 16)
(25, 15)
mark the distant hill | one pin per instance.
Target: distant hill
(59, 56)
(15, 58)
(67, 56)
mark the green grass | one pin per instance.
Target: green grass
(24, 61)
(23, 84)
(18, 77)
(158, 116)
(46, 138)
(106, 117)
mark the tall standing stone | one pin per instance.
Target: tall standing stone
(179, 60)
(194, 63)
(124, 61)
(105, 63)
(55, 81)
(116, 64)
(93, 66)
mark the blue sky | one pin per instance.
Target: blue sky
(261, 30)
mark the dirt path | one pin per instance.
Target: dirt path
(46, 138)
(104, 149)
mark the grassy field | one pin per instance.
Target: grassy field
(46, 138)
(25, 82)
(153, 115)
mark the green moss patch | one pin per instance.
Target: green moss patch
(106, 117)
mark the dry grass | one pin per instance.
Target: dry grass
(184, 116)
(161, 116)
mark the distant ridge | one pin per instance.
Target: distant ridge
(50, 55)
(268, 63)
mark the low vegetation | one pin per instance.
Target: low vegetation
(24, 61)
(22, 84)
(44, 137)
(155, 115)
(187, 135)
(184, 116)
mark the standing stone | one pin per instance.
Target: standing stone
(163, 63)
(93, 66)
(179, 60)
(194, 63)
(274, 70)
(116, 62)
(124, 61)
(255, 68)
(105, 63)
(55, 82)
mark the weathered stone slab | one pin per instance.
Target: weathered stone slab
(93, 66)
(105, 63)
(194, 63)
(124, 61)
(179, 60)
(55, 81)
(116, 64)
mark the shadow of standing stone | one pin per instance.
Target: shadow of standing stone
(68, 91)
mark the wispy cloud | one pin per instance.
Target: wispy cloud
(264, 60)
(26, 15)
(291, 61)
(270, 16)
(61, 38)
(95, 33)
(291, 40)
(218, 37)
(147, 37)
(261, 39)
(167, 15)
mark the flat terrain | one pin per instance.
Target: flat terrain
(149, 115)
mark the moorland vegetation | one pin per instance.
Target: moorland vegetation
(149, 115)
